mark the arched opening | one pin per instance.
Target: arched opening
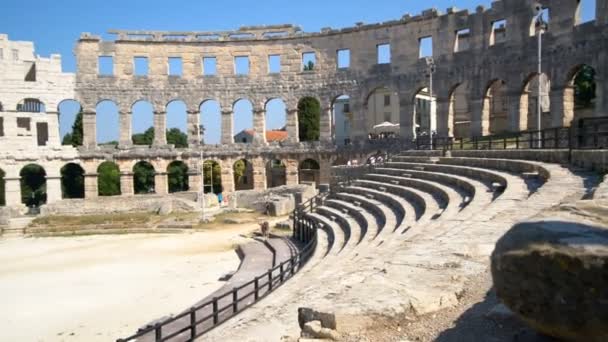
(580, 93)
(422, 113)
(177, 124)
(276, 121)
(2, 188)
(142, 123)
(342, 118)
(177, 176)
(585, 11)
(72, 181)
(143, 178)
(382, 113)
(243, 175)
(33, 185)
(212, 172)
(211, 120)
(309, 119)
(309, 171)
(276, 173)
(530, 98)
(459, 115)
(31, 105)
(107, 122)
(243, 122)
(108, 179)
(70, 123)
(495, 118)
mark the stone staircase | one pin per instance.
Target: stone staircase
(406, 237)
(16, 227)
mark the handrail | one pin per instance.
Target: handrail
(304, 230)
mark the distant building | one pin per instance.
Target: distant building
(342, 125)
(246, 136)
(382, 106)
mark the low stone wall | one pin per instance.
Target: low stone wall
(117, 205)
(281, 200)
(5, 216)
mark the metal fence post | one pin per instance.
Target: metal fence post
(216, 317)
(256, 286)
(158, 333)
(192, 323)
(269, 280)
(281, 276)
(235, 300)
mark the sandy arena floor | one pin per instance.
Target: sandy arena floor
(99, 288)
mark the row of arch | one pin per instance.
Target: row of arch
(33, 179)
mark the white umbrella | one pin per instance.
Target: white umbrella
(386, 127)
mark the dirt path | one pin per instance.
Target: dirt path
(99, 288)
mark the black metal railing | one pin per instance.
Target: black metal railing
(589, 133)
(202, 318)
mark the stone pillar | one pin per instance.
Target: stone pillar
(161, 183)
(194, 136)
(89, 130)
(53, 125)
(259, 174)
(126, 184)
(91, 189)
(358, 124)
(479, 125)
(227, 126)
(601, 80)
(194, 180)
(517, 112)
(291, 172)
(53, 189)
(227, 179)
(12, 191)
(324, 171)
(443, 118)
(406, 118)
(562, 106)
(325, 125)
(601, 12)
(259, 126)
(125, 129)
(160, 128)
(293, 132)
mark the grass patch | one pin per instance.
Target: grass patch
(88, 220)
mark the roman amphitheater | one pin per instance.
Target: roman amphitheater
(420, 200)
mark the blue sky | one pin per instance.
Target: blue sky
(54, 27)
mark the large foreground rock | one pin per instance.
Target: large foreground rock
(554, 275)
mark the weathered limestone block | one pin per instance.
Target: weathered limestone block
(306, 315)
(554, 275)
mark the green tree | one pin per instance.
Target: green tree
(145, 138)
(309, 66)
(584, 87)
(309, 117)
(33, 185)
(2, 194)
(72, 181)
(177, 174)
(240, 168)
(108, 179)
(177, 138)
(213, 177)
(143, 178)
(75, 138)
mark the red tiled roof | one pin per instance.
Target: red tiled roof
(271, 136)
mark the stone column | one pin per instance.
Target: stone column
(53, 125)
(324, 171)
(160, 128)
(406, 118)
(161, 183)
(601, 12)
(227, 126)
(12, 191)
(293, 132)
(291, 172)
(325, 125)
(126, 184)
(194, 136)
(358, 125)
(479, 125)
(517, 114)
(89, 130)
(125, 129)
(259, 125)
(227, 179)
(91, 189)
(601, 78)
(562, 106)
(259, 174)
(194, 180)
(443, 113)
(53, 189)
